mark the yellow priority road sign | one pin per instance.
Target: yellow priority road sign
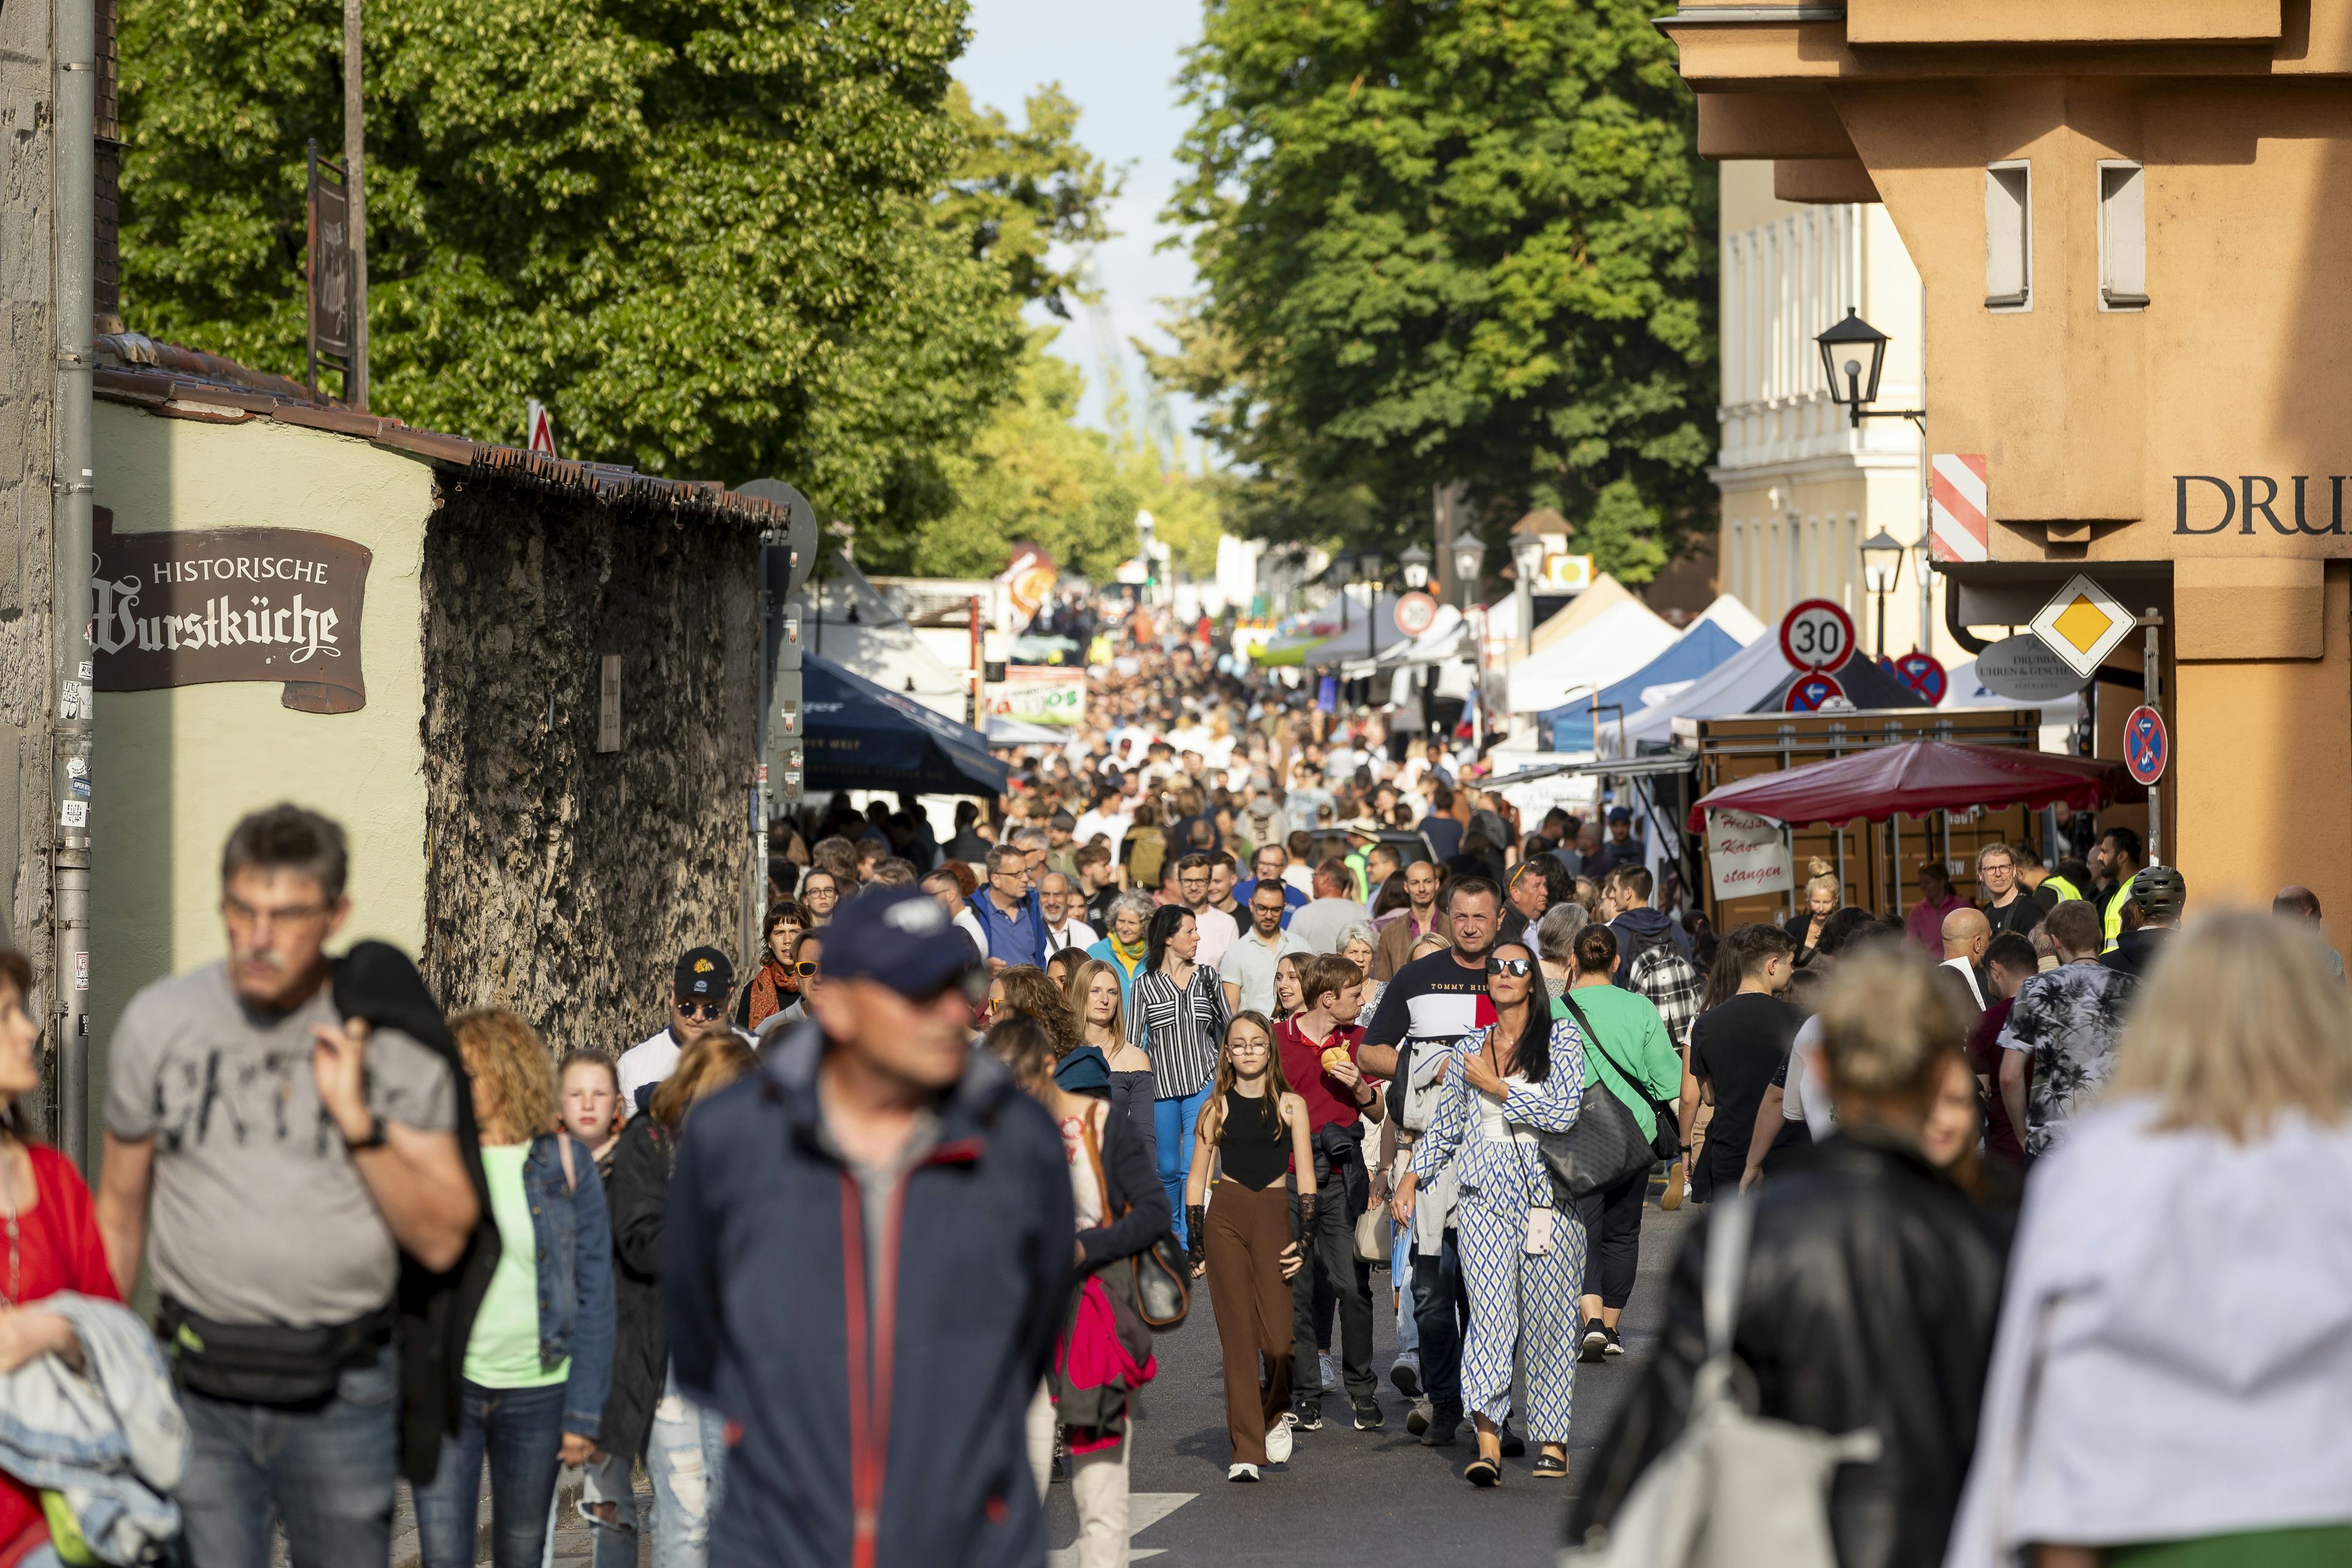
(2082, 624)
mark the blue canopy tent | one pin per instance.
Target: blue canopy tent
(862, 736)
(1688, 656)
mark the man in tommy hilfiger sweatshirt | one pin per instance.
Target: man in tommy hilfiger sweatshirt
(867, 1255)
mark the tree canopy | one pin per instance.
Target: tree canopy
(1463, 242)
(715, 238)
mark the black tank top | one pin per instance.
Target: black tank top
(1256, 1152)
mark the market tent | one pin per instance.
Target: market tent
(1734, 617)
(859, 628)
(1605, 595)
(1868, 684)
(1914, 778)
(1704, 645)
(1612, 645)
(861, 736)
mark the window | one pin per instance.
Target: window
(2009, 237)
(2123, 237)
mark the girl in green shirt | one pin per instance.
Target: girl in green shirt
(1629, 1053)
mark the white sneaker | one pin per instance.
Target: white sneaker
(1278, 1440)
(1242, 1473)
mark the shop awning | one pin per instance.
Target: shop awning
(1916, 777)
(861, 736)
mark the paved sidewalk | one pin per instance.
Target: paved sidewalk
(573, 1536)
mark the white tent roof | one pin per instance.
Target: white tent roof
(1735, 686)
(1608, 646)
(865, 633)
(1606, 593)
(1440, 642)
(1734, 618)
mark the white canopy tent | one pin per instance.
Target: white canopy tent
(1445, 640)
(1611, 646)
(861, 630)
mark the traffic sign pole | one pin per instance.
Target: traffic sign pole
(2152, 680)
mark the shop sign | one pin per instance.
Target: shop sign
(195, 606)
(1039, 694)
(1747, 855)
(2025, 669)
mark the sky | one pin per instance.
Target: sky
(1118, 63)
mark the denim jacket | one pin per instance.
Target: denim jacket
(575, 1276)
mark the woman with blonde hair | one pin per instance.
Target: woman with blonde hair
(2173, 1366)
(1823, 896)
(647, 1419)
(1867, 1295)
(1100, 1001)
(1255, 1129)
(539, 1357)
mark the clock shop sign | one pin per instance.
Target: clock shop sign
(189, 607)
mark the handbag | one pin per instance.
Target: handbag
(1735, 1490)
(1372, 1240)
(1601, 1148)
(1160, 1283)
(1665, 1116)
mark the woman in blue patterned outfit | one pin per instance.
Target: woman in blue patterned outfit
(1522, 1259)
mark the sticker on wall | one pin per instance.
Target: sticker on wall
(193, 606)
(73, 813)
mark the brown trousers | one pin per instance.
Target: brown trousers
(1247, 1232)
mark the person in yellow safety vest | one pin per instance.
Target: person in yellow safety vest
(2118, 857)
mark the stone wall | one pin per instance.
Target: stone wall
(562, 881)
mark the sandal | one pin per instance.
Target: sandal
(1483, 1471)
(1551, 1467)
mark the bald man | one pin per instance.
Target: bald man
(1966, 935)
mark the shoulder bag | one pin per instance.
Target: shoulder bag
(1601, 1148)
(1159, 1285)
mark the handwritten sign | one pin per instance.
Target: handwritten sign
(1746, 855)
(1039, 694)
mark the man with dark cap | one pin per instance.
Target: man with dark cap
(866, 1252)
(698, 994)
(2152, 906)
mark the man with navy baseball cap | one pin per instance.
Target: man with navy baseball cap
(699, 992)
(867, 1250)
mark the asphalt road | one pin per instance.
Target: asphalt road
(1359, 1499)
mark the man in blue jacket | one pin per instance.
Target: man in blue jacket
(866, 1254)
(1009, 911)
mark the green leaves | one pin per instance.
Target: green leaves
(1470, 241)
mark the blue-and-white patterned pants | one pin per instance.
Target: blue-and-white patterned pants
(1521, 1306)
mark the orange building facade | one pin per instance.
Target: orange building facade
(2132, 220)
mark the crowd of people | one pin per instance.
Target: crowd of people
(1237, 1001)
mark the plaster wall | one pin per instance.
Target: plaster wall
(174, 769)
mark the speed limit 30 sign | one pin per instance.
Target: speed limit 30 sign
(1817, 635)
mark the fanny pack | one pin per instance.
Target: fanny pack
(267, 1363)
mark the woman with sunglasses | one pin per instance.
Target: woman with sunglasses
(819, 892)
(1522, 1258)
(1256, 1130)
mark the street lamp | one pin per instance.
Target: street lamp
(1853, 353)
(1882, 568)
(1469, 555)
(1370, 561)
(1414, 562)
(1527, 559)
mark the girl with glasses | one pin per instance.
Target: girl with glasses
(1244, 1240)
(819, 892)
(1522, 1257)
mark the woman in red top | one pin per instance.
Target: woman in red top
(48, 1239)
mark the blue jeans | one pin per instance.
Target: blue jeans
(521, 1432)
(328, 1474)
(685, 1457)
(1172, 1121)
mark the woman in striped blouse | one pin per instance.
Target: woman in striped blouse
(1176, 1014)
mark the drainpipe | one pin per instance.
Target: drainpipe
(74, 39)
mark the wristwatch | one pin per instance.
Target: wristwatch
(375, 1138)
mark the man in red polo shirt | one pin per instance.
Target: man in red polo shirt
(1318, 1061)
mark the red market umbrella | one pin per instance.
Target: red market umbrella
(1916, 777)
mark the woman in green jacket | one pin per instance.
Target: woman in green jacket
(1630, 1053)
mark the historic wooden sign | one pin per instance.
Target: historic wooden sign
(188, 608)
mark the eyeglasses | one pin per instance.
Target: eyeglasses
(703, 1011)
(1514, 966)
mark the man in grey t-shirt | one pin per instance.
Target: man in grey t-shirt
(283, 1159)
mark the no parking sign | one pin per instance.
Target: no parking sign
(2148, 745)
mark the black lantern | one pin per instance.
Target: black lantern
(1853, 353)
(1369, 560)
(1469, 555)
(1414, 562)
(1882, 568)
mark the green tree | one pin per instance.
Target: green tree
(715, 236)
(1471, 242)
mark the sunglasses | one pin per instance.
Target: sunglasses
(703, 1010)
(805, 968)
(1513, 966)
